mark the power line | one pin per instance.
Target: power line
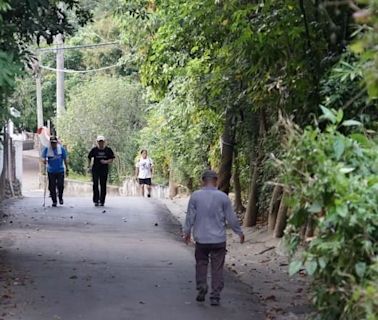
(84, 46)
(77, 71)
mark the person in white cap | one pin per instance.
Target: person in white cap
(102, 156)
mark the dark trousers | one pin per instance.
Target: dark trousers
(56, 181)
(215, 253)
(102, 177)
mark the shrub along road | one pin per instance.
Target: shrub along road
(122, 261)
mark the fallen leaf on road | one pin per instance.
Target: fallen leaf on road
(271, 297)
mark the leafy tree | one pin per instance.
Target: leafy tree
(333, 180)
(111, 106)
(25, 22)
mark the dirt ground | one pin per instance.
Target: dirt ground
(262, 263)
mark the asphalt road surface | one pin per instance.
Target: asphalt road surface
(122, 261)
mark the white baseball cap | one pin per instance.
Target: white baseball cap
(100, 138)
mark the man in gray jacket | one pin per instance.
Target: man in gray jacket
(208, 212)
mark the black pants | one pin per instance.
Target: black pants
(56, 181)
(216, 253)
(102, 177)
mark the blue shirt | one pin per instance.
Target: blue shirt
(55, 158)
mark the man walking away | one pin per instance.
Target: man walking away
(144, 171)
(208, 212)
(102, 156)
(54, 156)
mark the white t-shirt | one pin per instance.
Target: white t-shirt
(145, 168)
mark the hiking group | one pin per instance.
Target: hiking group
(55, 157)
(209, 209)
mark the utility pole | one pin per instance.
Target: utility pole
(59, 75)
(38, 83)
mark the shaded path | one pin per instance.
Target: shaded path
(81, 262)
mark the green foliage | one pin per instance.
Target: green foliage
(25, 22)
(366, 45)
(343, 87)
(78, 160)
(180, 132)
(111, 106)
(333, 179)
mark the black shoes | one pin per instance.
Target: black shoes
(149, 196)
(201, 295)
(214, 301)
(54, 204)
(99, 204)
(61, 201)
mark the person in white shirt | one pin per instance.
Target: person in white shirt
(144, 171)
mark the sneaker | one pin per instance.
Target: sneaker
(60, 201)
(54, 204)
(201, 295)
(102, 204)
(214, 301)
(96, 204)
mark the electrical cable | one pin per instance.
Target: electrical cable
(77, 71)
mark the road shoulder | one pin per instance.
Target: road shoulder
(261, 263)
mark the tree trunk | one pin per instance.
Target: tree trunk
(274, 206)
(3, 173)
(281, 218)
(172, 186)
(190, 184)
(228, 139)
(239, 208)
(310, 228)
(250, 218)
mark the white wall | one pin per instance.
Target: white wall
(1, 158)
(18, 146)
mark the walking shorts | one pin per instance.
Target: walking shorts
(146, 181)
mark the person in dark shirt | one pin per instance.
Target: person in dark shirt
(102, 156)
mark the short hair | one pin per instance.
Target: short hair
(143, 151)
(209, 175)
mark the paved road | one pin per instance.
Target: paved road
(30, 172)
(123, 261)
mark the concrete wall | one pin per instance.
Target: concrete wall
(18, 147)
(73, 188)
(1, 158)
(130, 187)
(17, 165)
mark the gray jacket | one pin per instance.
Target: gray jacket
(208, 211)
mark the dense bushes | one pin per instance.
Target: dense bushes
(333, 180)
(111, 106)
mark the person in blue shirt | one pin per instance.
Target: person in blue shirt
(55, 156)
